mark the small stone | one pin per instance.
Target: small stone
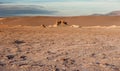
(23, 57)
(97, 63)
(2, 64)
(18, 42)
(10, 56)
(76, 70)
(57, 69)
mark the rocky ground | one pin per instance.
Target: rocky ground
(59, 49)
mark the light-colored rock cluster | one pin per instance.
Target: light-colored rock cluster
(63, 23)
(75, 26)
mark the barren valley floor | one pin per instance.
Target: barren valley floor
(59, 49)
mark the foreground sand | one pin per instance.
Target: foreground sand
(59, 49)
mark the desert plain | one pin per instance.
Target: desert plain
(27, 45)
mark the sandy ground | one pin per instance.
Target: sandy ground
(78, 20)
(59, 49)
(1, 19)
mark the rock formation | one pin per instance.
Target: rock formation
(43, 26)
(60, 23)
(75, 26)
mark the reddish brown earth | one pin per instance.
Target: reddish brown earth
(80, 20)
(35, 48)
(1, 19)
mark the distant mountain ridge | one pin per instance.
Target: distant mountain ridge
(113, 13)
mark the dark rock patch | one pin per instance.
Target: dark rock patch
(10, 56)
(19, 42)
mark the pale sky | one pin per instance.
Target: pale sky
(57, 7)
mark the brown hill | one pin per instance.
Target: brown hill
(114, 13)
(78, 20)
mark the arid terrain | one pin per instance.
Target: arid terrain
(24, 47)
(77, 20)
